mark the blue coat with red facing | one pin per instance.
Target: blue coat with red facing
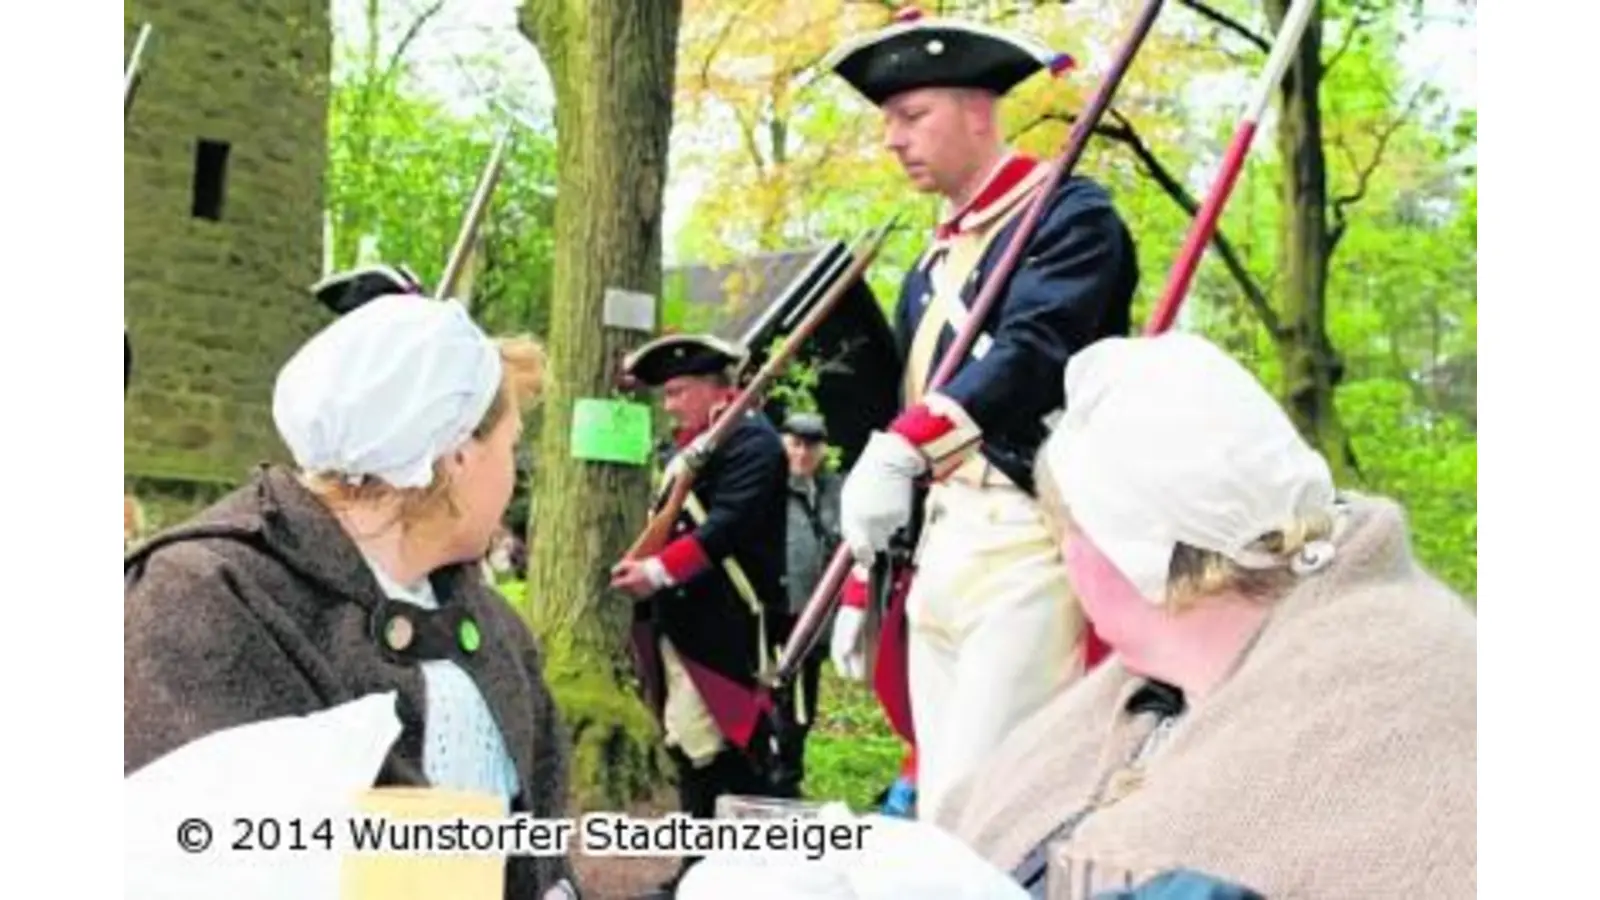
(1073, 284)
(742, 489)
(722, 631)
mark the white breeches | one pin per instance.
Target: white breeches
(688, 724)
(992, 629)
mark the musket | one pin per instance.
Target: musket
(1204, 226)
(659, 528)
(1200, 234)
(473, 220)
(130, 72)
(794, 311)
(826, 596)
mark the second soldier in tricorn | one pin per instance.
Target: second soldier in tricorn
(712, 608)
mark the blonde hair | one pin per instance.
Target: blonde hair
(1196, 573)
(522, 383)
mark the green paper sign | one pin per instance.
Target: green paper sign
(613, 431)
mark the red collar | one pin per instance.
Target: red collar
(1013, 171)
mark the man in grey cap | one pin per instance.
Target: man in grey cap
(813, 536)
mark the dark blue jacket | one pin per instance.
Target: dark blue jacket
(1073, 285)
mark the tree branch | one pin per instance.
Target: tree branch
(542, 23)
(1069, 119)
(1344, 45)
(1125, 134)
(747, 130)
(1230, 23)
(1342, 204)
(795, 71)
(1359, 20)
(411, 35)
(721, 38)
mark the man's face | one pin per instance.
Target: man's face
(936, 134)
(690, 400)
(805, 456)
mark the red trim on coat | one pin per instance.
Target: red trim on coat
(735, 708)
(1010, 174)
(854, 594)
(684, 558)
(891, 680)
(921, 427)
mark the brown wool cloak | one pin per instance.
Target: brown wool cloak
(261, 607)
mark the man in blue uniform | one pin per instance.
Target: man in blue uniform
(712, 609)
(993, 629)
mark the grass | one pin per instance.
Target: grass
(851, 755)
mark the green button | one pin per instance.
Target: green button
(470, 638)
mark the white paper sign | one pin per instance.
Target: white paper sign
(630, 309)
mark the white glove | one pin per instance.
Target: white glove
(876, 499)
(848, 660)
(657, 570)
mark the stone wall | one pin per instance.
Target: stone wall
(216, 266)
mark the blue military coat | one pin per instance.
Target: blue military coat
(1073, 285)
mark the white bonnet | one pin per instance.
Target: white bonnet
(1168, 440)
(386, 390)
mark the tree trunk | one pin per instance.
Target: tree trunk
(612, 66)
(1311, 367)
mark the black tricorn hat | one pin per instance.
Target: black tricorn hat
(676, 355)
(342, 292)
(915, 51)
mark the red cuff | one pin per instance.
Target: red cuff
(921, 427)
(684, 558)
(855, 593)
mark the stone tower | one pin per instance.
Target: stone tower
(224, 159)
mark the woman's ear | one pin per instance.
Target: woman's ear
(457, 458)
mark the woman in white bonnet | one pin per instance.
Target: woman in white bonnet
(358, 571)
(1291, 707)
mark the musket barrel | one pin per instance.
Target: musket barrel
(825, 595)
(862, 254)
(803, 636)
(473, 220)
(130, 72)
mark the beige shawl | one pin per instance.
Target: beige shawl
(1339, 761)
